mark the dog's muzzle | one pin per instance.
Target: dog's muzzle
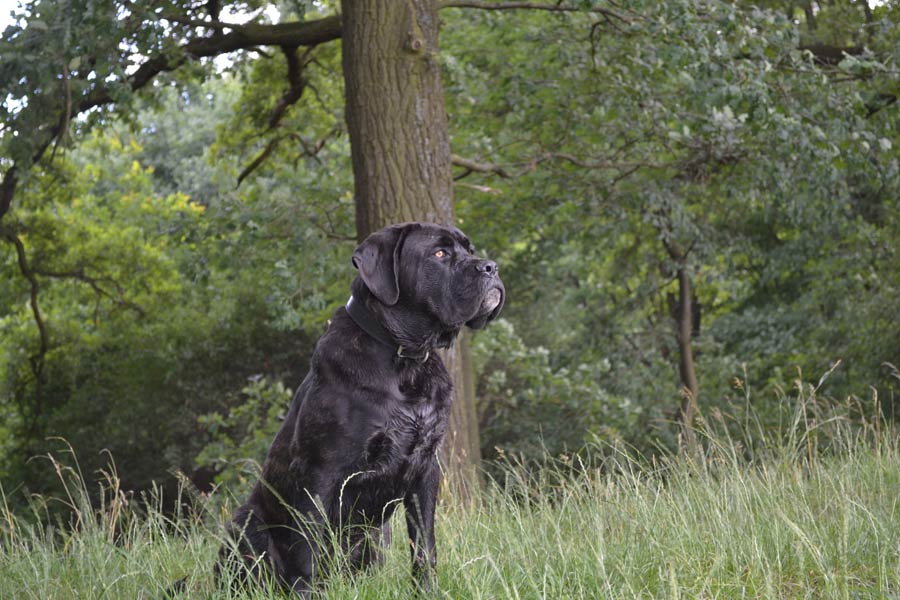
(491, 299)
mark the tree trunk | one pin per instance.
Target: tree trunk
(400, 148)
(684, 327)
(690, 388)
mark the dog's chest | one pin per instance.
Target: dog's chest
(414, 425)
(411, 433)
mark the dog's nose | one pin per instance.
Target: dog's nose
(488, 267)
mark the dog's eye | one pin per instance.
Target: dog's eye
(440, 254)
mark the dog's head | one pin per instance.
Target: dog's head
(431, 270)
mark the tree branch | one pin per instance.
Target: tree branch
(308, 150)
(558, 7)
(674, 249)
(883, 101)
(260, 159)
(330, 231)
(312, 150)
(296, 83)
(66, 116)
(242, 37)
(37, 360)
(484, 189)
(7, 190)
(471, 166)
(308, 33)
(826, 54)
(94, 283)
(601, 164)
(213, 24)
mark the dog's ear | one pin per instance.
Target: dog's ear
(377, 260)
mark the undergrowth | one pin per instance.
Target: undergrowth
(810, 511)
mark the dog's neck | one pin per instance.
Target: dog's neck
(410, 335)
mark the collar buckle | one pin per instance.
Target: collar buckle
(420, 359)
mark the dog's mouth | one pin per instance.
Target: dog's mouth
(488, 308)
(491, 300)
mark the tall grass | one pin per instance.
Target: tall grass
(811, 512)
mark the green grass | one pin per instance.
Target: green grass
(792, 525)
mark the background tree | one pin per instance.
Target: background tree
(675, 124)
(611, 158)
(180, 33)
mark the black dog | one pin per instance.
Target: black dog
(365, 425)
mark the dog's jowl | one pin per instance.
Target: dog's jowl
(363, 429)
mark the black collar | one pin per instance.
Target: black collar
(363, 317)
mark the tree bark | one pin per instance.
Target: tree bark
(684, 327)
(690, 387)
(400, 150)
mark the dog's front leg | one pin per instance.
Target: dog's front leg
(419, 504)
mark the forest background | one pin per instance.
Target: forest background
(687, 200)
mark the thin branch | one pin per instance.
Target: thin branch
(602, 164)
(826, 54)
(484, 189)
(242, 37)
(329, 232)
(94, 283)
(261, 52)
(674, 249)
(312, 150)
(308, 33)
(32, 280)
(260, 159)
(625, 167)
(316, 93)
(296, 83)
(66, 116)
(8, 190)
(37, 360)
(472, 166)
(828, 58)
(308, 150)
(214, 24)
(251, 35)
(627, 172)
(594, 28)
(886, 100)
(558, 7)
(637, 349)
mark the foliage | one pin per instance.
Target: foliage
(528, 408)
(244, 433)
(698, 124)
(155, 307)
(107, 248)
(760, 139)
